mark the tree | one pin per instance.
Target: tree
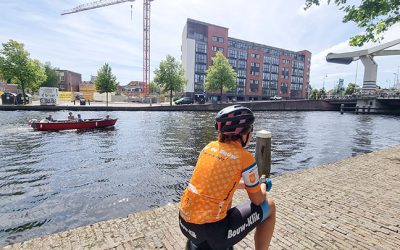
(374, 16)
(321, 93)
(105, 82)
(169, 76)
(314, 94)
(220, 75)
(338, 90)
(52, 76)
(352, 88)
(154, 88)
(18, 68)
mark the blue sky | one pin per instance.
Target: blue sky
(83, 42)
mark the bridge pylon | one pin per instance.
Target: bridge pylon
(367, 58)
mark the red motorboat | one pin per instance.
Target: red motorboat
(45, 125)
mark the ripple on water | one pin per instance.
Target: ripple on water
(53, 181)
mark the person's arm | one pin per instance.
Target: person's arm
(256, 191)
(258, 197)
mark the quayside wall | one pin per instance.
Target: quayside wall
(282, 105)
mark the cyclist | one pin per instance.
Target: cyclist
(205, 215)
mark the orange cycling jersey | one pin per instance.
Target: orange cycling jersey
(215, 179)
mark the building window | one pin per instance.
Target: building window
(232, 53)
(201, 48)
(242, 54)
(241, 82)
(284, 88)
(254, 86)
(201, 58)
(241, 73)
(218, 39)
(285, 73)
(242, 64)
(62, 76)
(198, 36)
(200, 68)
(215, 48)
(198, 78)
(255, 55)
(240, 45)
(273, 85)
(232, 62)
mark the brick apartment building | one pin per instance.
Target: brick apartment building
(262, 71)
(69, 81)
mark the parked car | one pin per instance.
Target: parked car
(276, 97)
(200, 98)
(184, 100)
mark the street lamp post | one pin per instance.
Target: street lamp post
(323, 83)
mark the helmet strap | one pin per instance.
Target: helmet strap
(244, 143)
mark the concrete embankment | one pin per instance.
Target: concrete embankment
(284, 105)
(353, 203)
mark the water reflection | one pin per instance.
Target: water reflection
(363, 135)
(53, 181)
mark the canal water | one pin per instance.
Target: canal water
(54, 181)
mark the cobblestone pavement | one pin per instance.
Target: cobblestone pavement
(353, 203)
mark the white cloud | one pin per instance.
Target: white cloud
(387, 65)
(83, 41)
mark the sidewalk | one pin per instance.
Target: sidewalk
(104, 104)
(353, 203)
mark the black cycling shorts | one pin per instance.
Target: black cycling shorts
(227, 232)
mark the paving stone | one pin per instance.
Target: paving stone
(348, 204)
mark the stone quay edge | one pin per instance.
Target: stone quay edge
(352, 203)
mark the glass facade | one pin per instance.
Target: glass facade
(279, 71)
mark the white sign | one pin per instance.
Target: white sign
(48, 96)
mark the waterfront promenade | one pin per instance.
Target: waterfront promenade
(353, 203)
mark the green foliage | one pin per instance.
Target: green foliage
(352, 88)
(105, 82)
(338, 91)
(314, 94)
(374, 16)
(52, 76)
(170, 76)
(16, 67)
(154, 89)
(321, 93)
(220, 75)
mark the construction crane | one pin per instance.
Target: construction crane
(146, 30)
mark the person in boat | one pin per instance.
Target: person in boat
(50, 118)
(205, 214)
(71, 117)
(107, 117)
(79, 119)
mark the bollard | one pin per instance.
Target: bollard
(263, 152)
(150, 101)
(341, 108)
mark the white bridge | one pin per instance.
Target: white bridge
(367, 58)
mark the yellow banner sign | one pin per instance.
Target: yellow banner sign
(65, 96)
